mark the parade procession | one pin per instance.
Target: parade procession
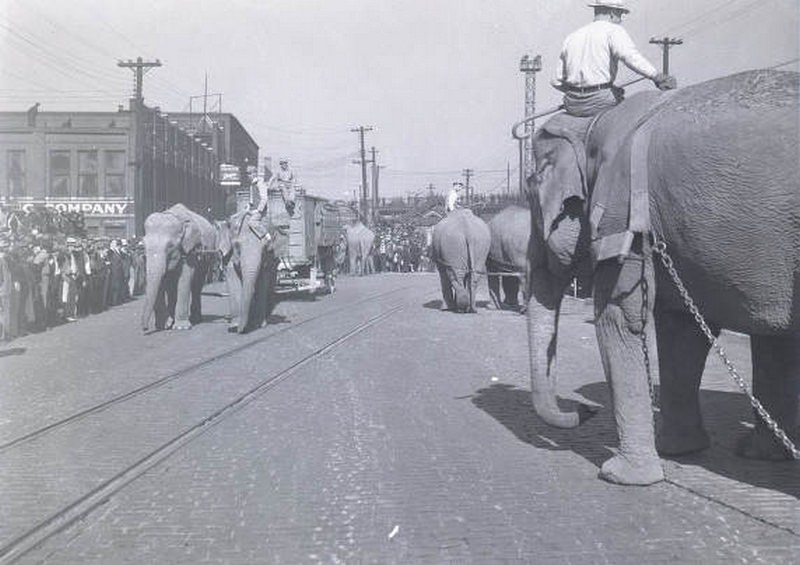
(371, 282)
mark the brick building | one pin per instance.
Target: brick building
(117, 169)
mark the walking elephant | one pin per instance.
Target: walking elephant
(720, 161)
(508, 253)
(360, 241)
(460, 246)
(251, 267)
(178, 244)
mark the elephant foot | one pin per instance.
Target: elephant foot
(623, 471)
(761, 444)
(182, 325)
(681, 442)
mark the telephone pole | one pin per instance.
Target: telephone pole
(530, 66)
(665, 43)
(140, 68)
(363, 200)
(467, 188)
(375, 172)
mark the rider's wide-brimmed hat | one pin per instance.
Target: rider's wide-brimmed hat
(613, 4)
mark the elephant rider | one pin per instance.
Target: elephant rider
(285, 180)
(454, 196)
(256, 222)
(590, 58)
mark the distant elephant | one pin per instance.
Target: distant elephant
(722, 169)
(460, 246)
(508, 253)
(360, 241)
(251, 267)
(178, 244)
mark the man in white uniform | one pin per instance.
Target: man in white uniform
(454, 196)
(590, 58)
(285, 180)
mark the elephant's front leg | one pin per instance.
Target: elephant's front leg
(494, 290)
(234, 286)
(184, 297)
(622, 319)
(682, 352)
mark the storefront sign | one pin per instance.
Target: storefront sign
(88, 207)
(229, 175)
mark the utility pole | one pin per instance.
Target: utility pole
(363, 200)
(508, 177)
(467, 188)
(530, 66)
(665, 43)
(374, 206)
(139, 68)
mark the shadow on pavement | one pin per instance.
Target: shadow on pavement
(723, 413)
(13, 351)
(433, 304)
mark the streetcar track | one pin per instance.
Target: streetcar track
(87, 503)
(154, 385)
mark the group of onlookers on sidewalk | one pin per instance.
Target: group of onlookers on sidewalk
(49, 279)
(401, 248)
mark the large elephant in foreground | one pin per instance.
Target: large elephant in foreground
(251, 267)
(178, 245)
(721, 162)
(508, 253)
(360, 242)
(460, 246)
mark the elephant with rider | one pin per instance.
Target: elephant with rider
(460, 246)
(251, 259)
(719, 161)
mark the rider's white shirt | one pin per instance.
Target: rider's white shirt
(590, 55)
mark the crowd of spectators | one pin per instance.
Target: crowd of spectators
(52, 273)
(401, 248)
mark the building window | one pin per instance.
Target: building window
(16, 173)
(87, 173)
(59, 173)
(115, 173)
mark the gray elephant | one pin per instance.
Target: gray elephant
(460, 246)
(360, 241)
(720, 161)
(178, 245)
(251, 266)
(508, 253)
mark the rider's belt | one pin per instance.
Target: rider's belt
(587, 89)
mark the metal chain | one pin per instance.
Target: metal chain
(645, 318)
(660, 247)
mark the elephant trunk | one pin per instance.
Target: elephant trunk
(156, 270)
(543, 337)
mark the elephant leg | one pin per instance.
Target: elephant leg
(234, 287)
(776, 384)
(494, 291)
(620, 325)
(511, 290)
(447, 288)
(682, 352)
(184, 293)
(195, 307)
(460, 290)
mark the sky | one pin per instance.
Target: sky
(438, 81)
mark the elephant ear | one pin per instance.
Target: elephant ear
(558, 178)
(191, 239)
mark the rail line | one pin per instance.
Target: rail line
(101, 494)
(97, 408)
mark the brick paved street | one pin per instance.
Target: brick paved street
(412, 441)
